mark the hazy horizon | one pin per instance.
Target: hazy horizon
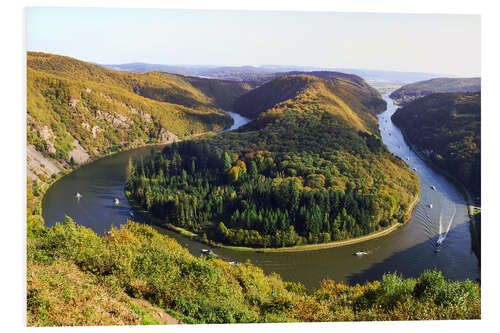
(419, 43)
(311, 67)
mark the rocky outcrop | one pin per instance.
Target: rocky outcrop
(144, 115)
(39, 166)
(46, 134)
(96, 130)
(117, 120)
(73, 102)
(165, 136)
(78, 154)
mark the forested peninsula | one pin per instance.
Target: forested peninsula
(311, 168)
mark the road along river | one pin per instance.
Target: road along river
(436, 237)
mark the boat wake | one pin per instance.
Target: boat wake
(437, 223)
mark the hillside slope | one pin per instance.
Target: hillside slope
(447, 128)
(76, 278)
(347, 93)
(410, 92)
(309, 169)
(78, 111)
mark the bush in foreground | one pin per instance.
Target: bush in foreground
(135, 262)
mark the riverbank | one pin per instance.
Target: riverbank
(472, 209)
(296, 248)
(43, 186)
(461, 187)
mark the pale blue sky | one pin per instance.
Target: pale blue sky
(448, 44)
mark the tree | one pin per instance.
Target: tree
(252, 170)
(228, 163)
(243, 167)
(234, 174)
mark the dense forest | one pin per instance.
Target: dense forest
(412, 91)
(447, 128)
(307, 170)
(74, 106)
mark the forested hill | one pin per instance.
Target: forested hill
(410, 92)
(353, 90)
(447, 128)
(309, 169)
(77, 110)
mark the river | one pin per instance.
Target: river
(409, 250)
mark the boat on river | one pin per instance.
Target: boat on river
(116, 202)
(433, 187)
(78, 195)
(429, 205)
(360, 253)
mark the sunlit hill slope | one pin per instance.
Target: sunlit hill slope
(77, 110)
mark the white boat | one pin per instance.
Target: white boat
(116, 202)
(429, 205)
(433, 187)
(360, 253)
(78, 195)
(414, 169)
(131, 214)
(205, 251)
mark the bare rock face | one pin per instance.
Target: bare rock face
(165, 136)
(73, 102)
(79, 154)
(86, 126)
(96, 130)
(46, 134)
(146, 116)
(37, 164)
(117, 120)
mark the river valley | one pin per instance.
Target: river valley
(437, 236)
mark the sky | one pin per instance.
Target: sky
(431, 43)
